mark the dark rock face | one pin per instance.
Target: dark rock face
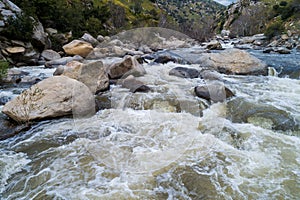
(215, 92)
(164, 57)
(103, 101)
(184, 72)
(9, 129)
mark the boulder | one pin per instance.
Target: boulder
(145, 49)
(184, 72)
(50, 55)
(210, 75)
(14, 75)
(78, 47)
(134, 85)
(283, 50)
(62, 61)
(164, 57)
(9, 128)
(21, 56)
(214, 45)
(40, 39)
(90, 39)
(53, 97)
(51, 31)
(215, 92)
(233, 61)
(15, 50)
(240, 110)
(100, 38)
(92, 75)
(128, 65)
(97, 53)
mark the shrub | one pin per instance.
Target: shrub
(19, 27)
(283, 3)
(274, 29)
(4, 65)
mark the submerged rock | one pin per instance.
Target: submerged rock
(240, 110)
(10, 128)
(184, 72)
(53, 97)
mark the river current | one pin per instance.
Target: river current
(166, 144)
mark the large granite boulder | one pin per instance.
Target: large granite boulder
(93, 75)
(78, 47)
(233, 61)
(53, 97)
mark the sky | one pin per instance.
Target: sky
(225, 2)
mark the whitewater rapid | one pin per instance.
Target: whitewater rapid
(166, 144)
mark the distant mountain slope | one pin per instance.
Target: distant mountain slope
(194, 17)
(274, 17)
(187, 10)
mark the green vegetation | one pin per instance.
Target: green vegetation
(19, 28)
(194, 17)
(4, 65)
(93, 16)
(274, 29)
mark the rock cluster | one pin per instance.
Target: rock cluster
(88, 66)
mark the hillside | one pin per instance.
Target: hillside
(195, 18)
(94, 16)
(272, 17)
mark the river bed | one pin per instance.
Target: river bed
(165, 145)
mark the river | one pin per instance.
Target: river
(165, 145)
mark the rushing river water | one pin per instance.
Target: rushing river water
(165, 145)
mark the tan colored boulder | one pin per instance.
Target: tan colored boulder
(15, 50)
(78, 47)
(127, 66)
(233, 61)
(53, 97)
(93, 75)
